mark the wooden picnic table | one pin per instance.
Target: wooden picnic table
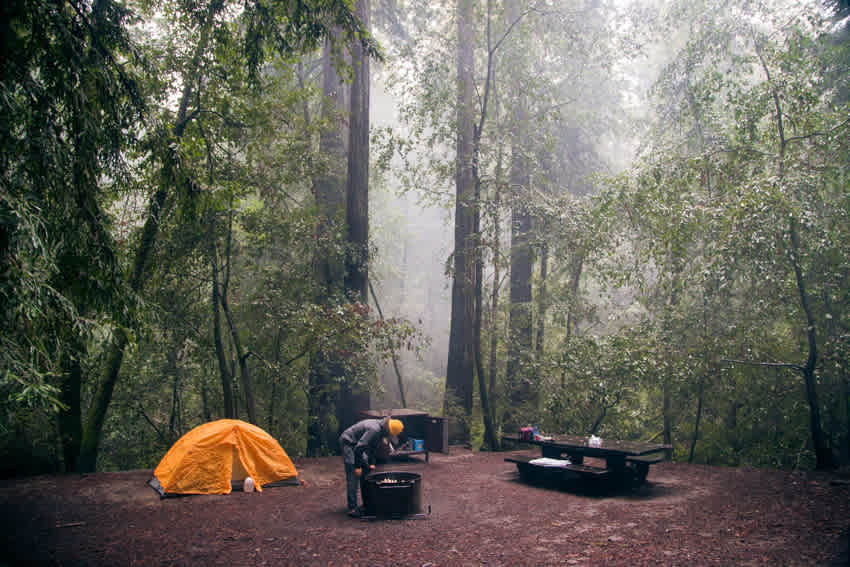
(624, 460)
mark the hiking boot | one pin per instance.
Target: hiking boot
(355, 513)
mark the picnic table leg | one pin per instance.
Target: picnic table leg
(524, 472)
(622, 472)
(634, 474)
(641, 472)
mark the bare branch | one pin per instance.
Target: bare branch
(818, 133)
(509, 30)
(162, 437)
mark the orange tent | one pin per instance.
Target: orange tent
(209, 458)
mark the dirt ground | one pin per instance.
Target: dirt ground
(480, 514)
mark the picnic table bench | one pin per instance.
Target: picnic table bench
(530, 466)
(563, 455)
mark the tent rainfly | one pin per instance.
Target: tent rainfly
(216, 457)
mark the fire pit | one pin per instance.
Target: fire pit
(392, 494)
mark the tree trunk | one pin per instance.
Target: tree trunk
(225, 376)
(521, 393)
(241, 357)
(354, 398)
(329, 185)
(541, 302)
(357, 201)
(96, 415)
(329, 265)
(70, 418)
(72, 347)
(823, 455)
(695, 437)
(494, 304)
(460, 364)
(490, 440)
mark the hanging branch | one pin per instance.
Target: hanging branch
(392, 352)
(165, 440)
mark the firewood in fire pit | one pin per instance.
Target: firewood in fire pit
(393, 480)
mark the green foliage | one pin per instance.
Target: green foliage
(711, 214)
(695, 283)
(69, 105)
(702, 265)
(90, 131)
(592, 378)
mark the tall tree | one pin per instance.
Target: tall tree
(225, 376)
(490, 435)
(460, 367)
(802, 279)
(355, 397)
(239, 351)
(521, 393)
(357, 188)
(329, 188)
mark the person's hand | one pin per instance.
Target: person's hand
(371, 467)
(358, 471)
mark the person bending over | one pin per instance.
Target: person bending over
(358, 444)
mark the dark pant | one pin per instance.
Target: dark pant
(351, 482)
(351, 479)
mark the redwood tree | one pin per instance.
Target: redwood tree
(460, 366)
(355, 397)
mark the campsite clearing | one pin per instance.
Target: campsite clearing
(481, 514)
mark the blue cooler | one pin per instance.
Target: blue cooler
(418, 444)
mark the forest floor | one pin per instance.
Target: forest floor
(480, 514)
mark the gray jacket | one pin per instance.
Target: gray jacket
(360, 440)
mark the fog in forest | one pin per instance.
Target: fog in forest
(413, 238)
(612, 113)
(412, 229)
(625, 218)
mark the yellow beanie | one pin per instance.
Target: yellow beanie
(396, 427)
